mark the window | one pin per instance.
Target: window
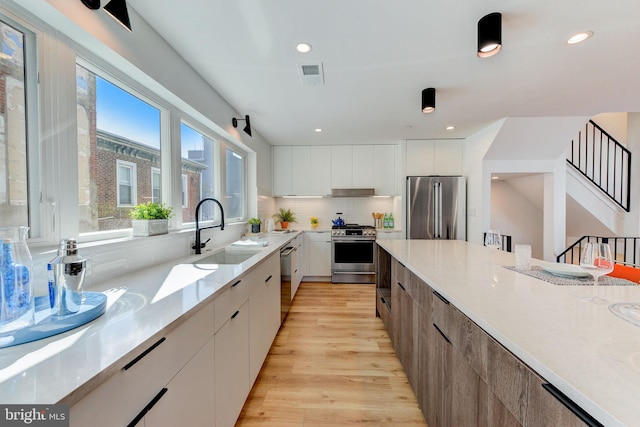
(197, 165)
(156, 187)
(17, 76)
(185, 191)
(126, 184)
(235, 184)
(114, 124)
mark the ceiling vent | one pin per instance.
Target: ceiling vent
(312, 74)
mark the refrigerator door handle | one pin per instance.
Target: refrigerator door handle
(437, 204)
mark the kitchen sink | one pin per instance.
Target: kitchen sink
(226, 256)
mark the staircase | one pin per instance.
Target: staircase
(604, 162)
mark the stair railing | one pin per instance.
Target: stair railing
(603, 161)
(625, 250)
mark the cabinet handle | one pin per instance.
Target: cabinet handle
(571, 405)
(147, 408)
(382, 299)
(233, 316)
(401, 287)
(444, 300)
(268, 278)
(441, 333)
(236, 284)
(144, 353)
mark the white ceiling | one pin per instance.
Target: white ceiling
(378, 55)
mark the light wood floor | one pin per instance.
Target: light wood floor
(332, 364)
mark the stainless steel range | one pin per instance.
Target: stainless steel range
(353, 254)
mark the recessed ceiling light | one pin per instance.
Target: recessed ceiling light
(579, 37)
(303, 48)
(318, 130)
(450, 127)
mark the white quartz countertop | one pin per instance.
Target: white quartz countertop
(581, 348)
(140, 308)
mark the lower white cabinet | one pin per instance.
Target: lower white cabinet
(264, 319)
(231, 363)
(200, 373)
(189, 395)
(126, 395)
(300, 264)
(319, 249)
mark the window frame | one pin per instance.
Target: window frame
(32, 37)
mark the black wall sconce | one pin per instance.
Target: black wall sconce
(118, 10)
(247, 127)
(429, 100)
(92, 4)
(489, 35)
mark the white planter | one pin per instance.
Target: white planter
(150, 227)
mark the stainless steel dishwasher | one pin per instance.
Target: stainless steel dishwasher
(288, 262)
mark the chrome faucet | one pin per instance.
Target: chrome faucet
(198, 246)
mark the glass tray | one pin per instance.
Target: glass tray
(93, 305)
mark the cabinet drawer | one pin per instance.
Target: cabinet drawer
(440, 313)
(145, 373)
(230, 300)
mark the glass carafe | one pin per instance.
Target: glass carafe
(16, 285)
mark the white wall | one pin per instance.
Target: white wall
(515, 215)
(478, 186)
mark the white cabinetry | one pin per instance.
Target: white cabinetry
(384, 170)
(320, 171)
(231, 364)
(247, 320)
(282, 161)
(315, 170)
(125, 396)
(298, 273)
(434, 157)
(341, 166)
(319, 249)
(264, 313)
(362, 166)
(301, 170)
(188, 395)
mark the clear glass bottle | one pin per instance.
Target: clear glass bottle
(16, 290)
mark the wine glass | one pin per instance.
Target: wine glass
(493, 240)
(597, 261)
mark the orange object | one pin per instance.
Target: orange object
(625, 272)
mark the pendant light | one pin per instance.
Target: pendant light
(429, 100)
(489, 35)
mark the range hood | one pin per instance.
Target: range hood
(352, 192)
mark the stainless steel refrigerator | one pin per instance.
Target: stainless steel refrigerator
(436, 207)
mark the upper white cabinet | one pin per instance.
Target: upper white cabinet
(434, 157)
(282, 172)
(315, 170)
(320, 170)
(384, 170)
(342, 166)
(301, 170)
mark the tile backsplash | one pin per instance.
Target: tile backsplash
(356, 210)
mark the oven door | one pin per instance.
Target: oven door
(353, 260)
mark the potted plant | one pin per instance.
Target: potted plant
(150, 219)
(284, 217)
(255, 224)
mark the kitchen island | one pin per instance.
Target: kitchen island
(170, 326)
(496, 318)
